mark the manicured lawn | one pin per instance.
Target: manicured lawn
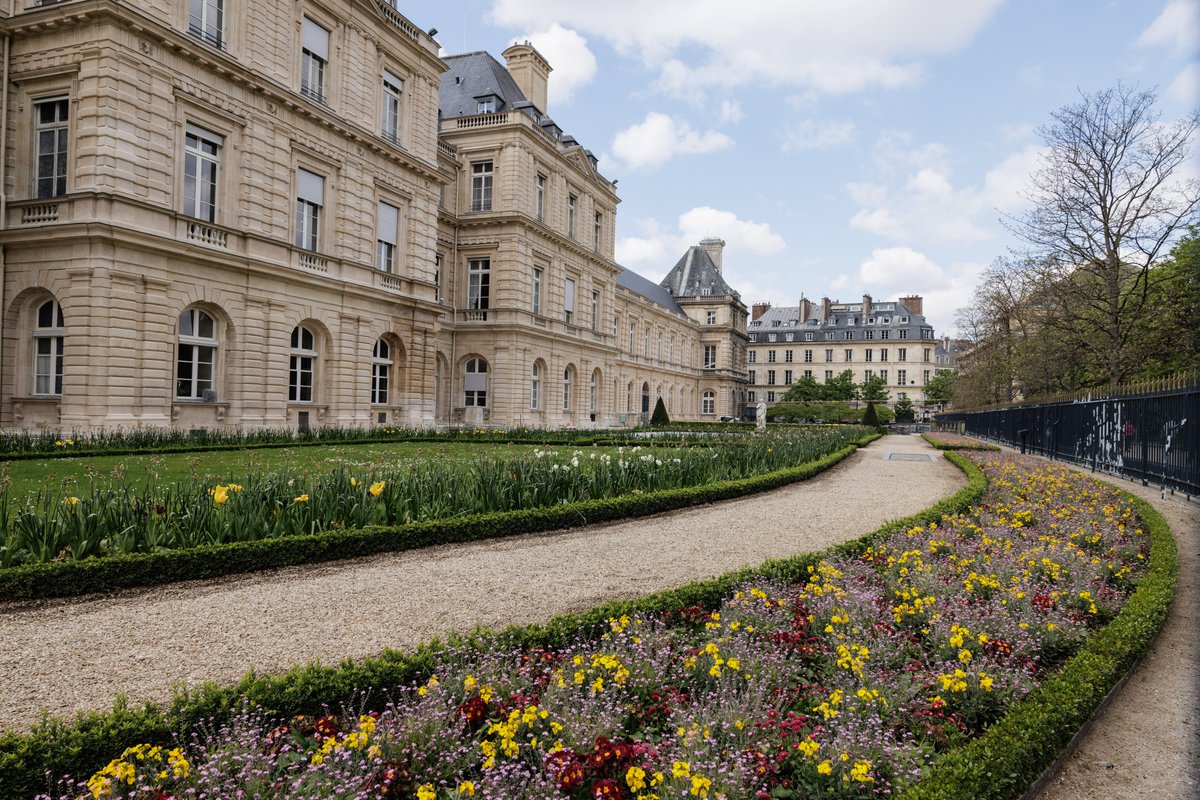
(74, 475)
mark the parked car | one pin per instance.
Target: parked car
(728, 419)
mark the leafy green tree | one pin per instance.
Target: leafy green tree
(904, 410)
(805, 389)
(940, 387)
(659, 417)
(873, 390)
(841, 387)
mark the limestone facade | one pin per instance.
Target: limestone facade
(224, 213)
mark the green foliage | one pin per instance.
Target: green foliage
(804, 390)
(873, 390)
(941, 386)
(826, 411)
(659, 417)
(904, 410)
(840, 388)
(871, 416)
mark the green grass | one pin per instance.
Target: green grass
(74, 475)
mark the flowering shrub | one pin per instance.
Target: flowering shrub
(853, 683)
(116, 519)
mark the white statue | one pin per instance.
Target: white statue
(760, 415)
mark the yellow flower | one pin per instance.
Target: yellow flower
(377, 488)
(354, 481)
(220, 495)
(467, 788)
(700, 786)
(71, 501)
(426, 792)
(301, 499)
(825, 768)
(636, 778)
(681, 769)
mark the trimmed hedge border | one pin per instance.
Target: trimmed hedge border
(72, 578)
(981, 447)
(1014, 752)
(30, 762)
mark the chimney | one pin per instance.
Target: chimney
(530, 71)
(758, 309)
(805, 309)
(913, 303)
(866, 307)
(713, 246)
(824, 310)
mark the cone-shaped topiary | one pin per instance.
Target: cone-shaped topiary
(870, 416)
(659, 417)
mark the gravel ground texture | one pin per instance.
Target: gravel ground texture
(64, 656)
(1145, 743)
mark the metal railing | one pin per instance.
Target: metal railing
(1149, 432)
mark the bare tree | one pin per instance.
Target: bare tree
(1107, 201)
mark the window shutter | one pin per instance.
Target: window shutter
(389, 222)
(569, 302)
(310, 187)
(316, 39)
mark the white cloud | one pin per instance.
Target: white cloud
(572, 63)
(1186, 86)
(655, 250)
(923, 204)
(658, 138)
(1176, 29)
(812, 135)
(890, 273)
(829, 47)
(731, 111)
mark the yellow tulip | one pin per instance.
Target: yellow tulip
(377, 488)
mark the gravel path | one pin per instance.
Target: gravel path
(65, 656)
(1146, 742)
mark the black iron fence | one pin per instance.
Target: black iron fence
(1151, 432)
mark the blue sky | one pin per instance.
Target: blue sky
(839, 147)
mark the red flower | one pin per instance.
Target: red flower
(566, 769)
(474, 711)
(608, 789)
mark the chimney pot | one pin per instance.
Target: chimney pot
(714, 246)
(758, 309)
(530, 71)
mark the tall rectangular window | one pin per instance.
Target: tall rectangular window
(770, 356)
(569, 301)
(314, 55)
(388, 222)
(788, 355)
(787, 377)
(478, 283)
(770, 377)
(437, 277)
(599, 229)
(752, 376)
(752, 356)
(572, 201)
(849, 355)
(925, 356)
(201, 167)
(710, 317)
(903, 354)
(539, 198)
(393, 93)
(595, 311)
(481, 186)
(883, 354)
(902, 376)
(925, 378)
(870, 355)
(883, 375)
(537, 290)
(51, 117)
(206, 20)
(808, 356)
(828, 354)
(632, 334)
(310, 199)
(710, 356)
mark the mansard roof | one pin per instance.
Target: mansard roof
(648, 289)
(695, 275)
(887, 314)
(472, 77)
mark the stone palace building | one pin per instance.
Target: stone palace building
(290, 214)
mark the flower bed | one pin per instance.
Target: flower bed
(944, 440)
(854, 682)
(114, 519)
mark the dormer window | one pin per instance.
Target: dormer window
(487, 105)
(706, 290)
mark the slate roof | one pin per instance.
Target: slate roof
(787, 318)
(693, 273)
(648, 289)
(475, 75)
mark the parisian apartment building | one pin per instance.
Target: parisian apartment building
(218, 213)
(890, 340)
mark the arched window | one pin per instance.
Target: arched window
(475, 382)
(645, 398)
(381, 372)
(629, 398)
(303, 365)
(592, 389)
(535, 386)
(709, 403)
(48, 349)
(195, 366)
(567, 389)
(671, 400)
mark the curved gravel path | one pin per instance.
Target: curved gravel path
(67, 656)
